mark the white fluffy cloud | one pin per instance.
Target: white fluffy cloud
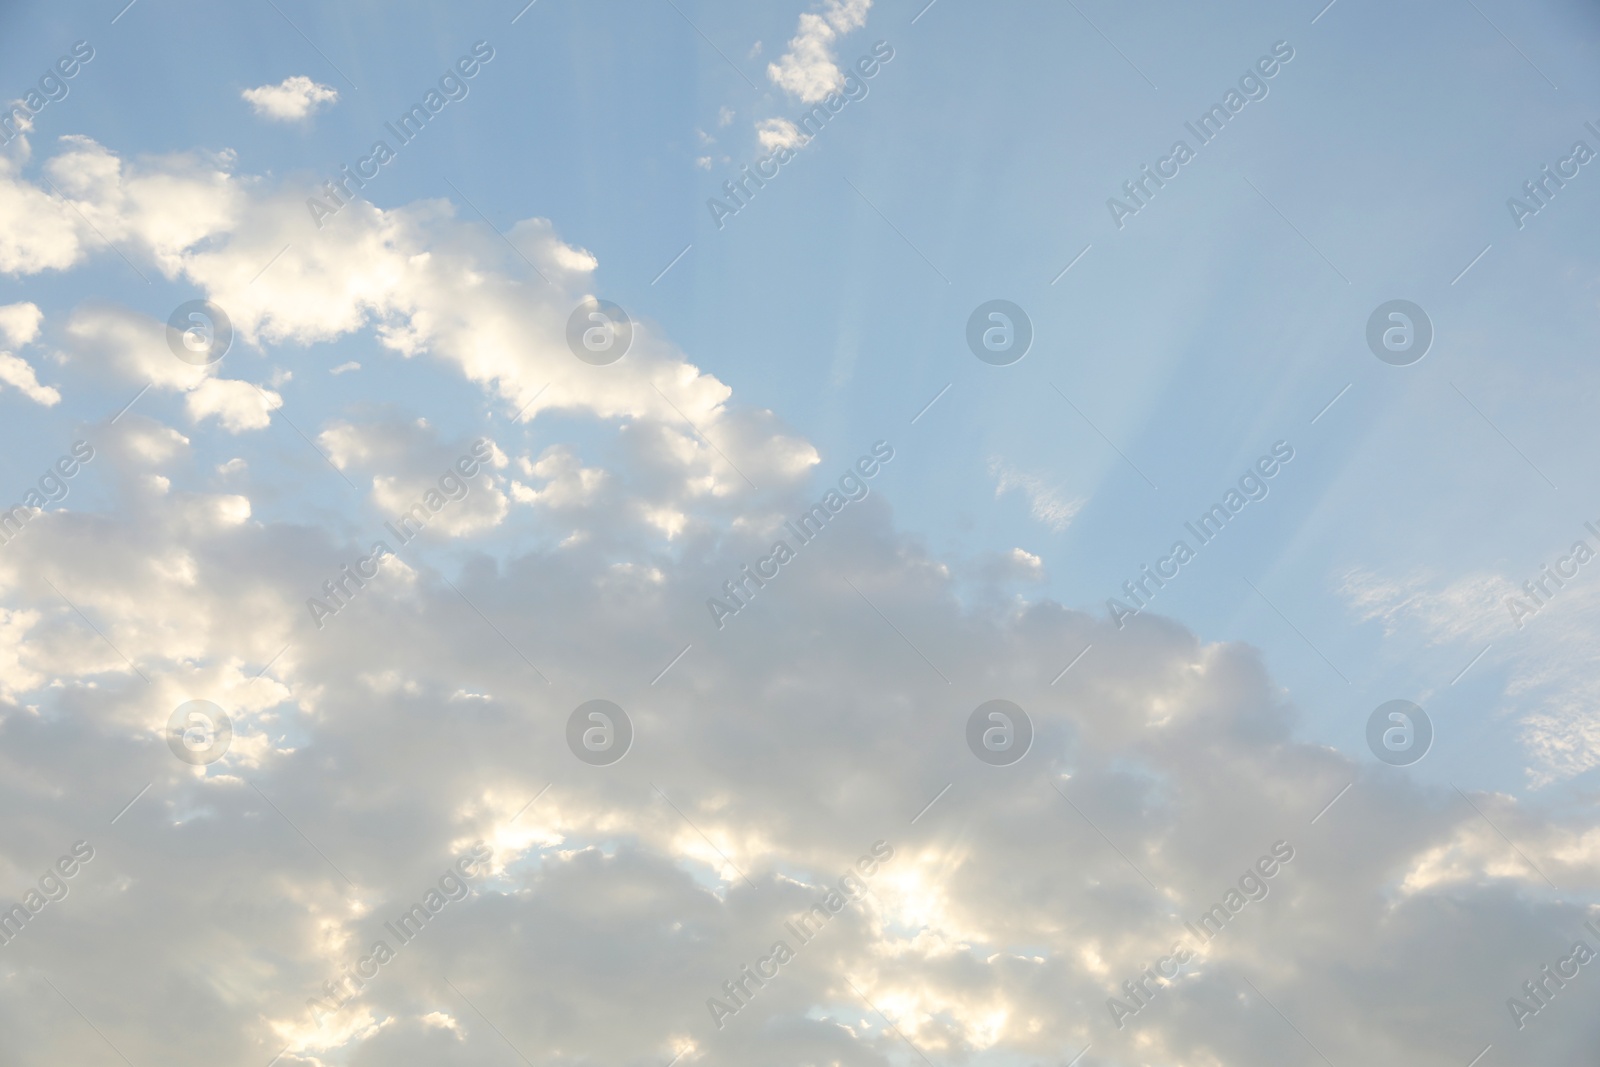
(773, 134)
(295, 98)
(411, 467)
(19, 374)
(116, 343)
(808, 69)
(37, 231)
(19, 325)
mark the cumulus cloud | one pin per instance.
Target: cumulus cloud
(37, 231)
(808, 70)
(414, 472)
(110, 341)
(19, 325)
(19, 374)
(774, 134)
(291, 100)
(238, 406)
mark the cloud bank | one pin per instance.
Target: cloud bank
(231, 905)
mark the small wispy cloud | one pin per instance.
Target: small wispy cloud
(1045, 503)
(1468, 608)
(1550, 686)
(773, 134)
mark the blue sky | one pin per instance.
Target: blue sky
(1194, 337)
(1227, 315)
